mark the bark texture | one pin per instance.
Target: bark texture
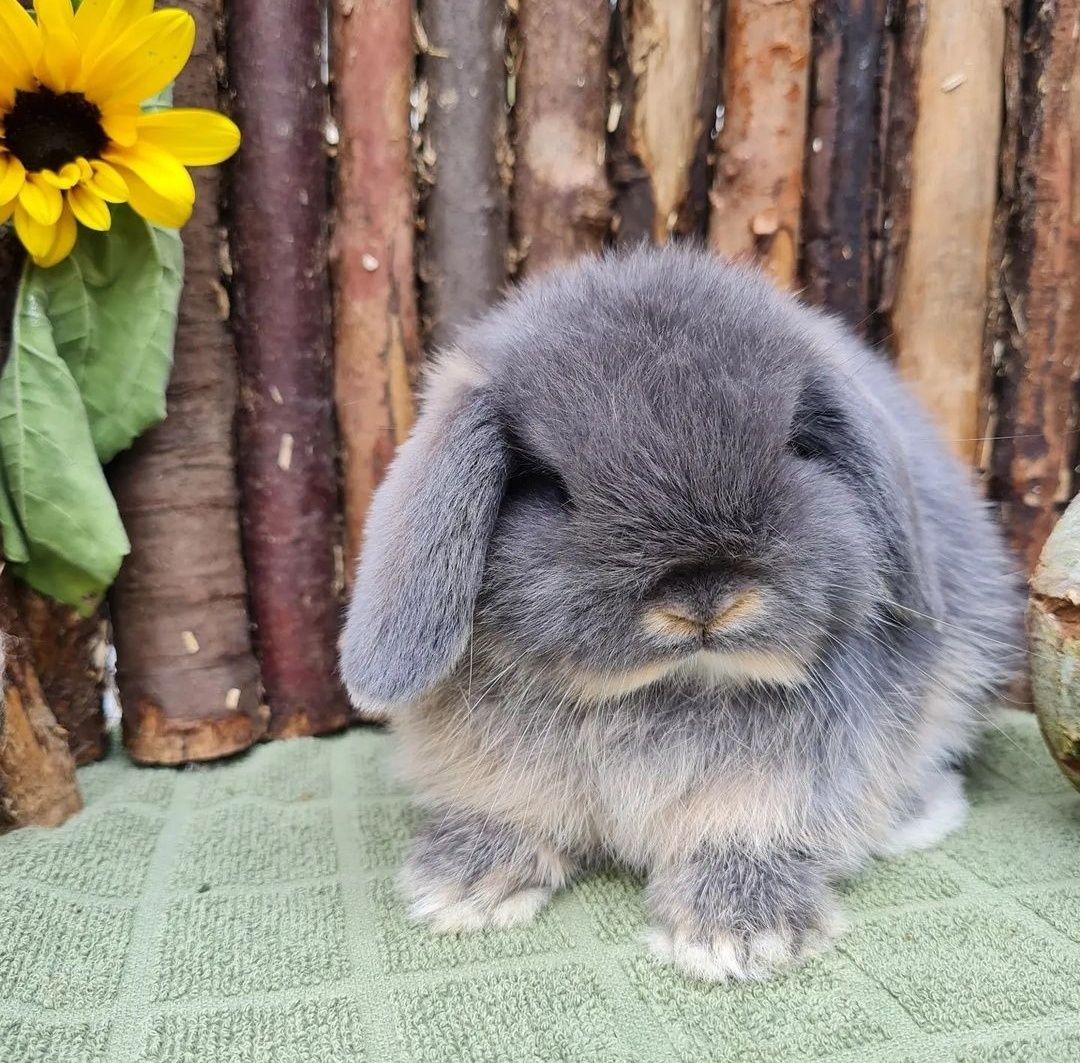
(466, 162)
(1036, 449)
(561, 194)
(68, 652)
(905, 26)
(757, 188)
(376, 332)
(842, 171)
(664, 55)
(940, 314)
(188, 682)
(37, 771)
(286, 437)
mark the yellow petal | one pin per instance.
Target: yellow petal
(55, 14)
(63, 240)
(156, 168)
(60, 60)
(12, 78)
(65, 177)
(168, 213)
(146, 57)
(41, 200)
(89, 208)
(194, 136)
(20, 40)
(35, 237)
(99, 22)
(6, 210)
(107, 183)
(12, 176)
(86, 171)
(120, 125)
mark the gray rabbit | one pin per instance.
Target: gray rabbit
(673, 572)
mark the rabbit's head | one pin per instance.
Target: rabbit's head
(642, 466)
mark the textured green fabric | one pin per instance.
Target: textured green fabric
(245, 913)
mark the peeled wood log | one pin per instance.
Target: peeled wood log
(288, 481)
(1040, 352)
(466, 158)
(843, 168)
(561, 194)
(941, 303)
(757, 188)
(663, 54)
(37, 771)
(188, 682)
(376, 342)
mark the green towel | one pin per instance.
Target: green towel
(245, 912)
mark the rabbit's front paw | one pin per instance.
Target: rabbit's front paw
(721, 954)
(466, 872)
(735, 915)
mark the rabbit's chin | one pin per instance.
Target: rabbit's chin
(710, 667)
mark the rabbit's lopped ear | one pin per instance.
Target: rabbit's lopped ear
(425, 544)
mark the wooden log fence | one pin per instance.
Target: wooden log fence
(187, 677)
(909, 166)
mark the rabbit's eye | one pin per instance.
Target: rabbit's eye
(536, 482)
(819, 430)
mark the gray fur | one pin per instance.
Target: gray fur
(622, 448)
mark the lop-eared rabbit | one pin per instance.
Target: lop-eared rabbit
(674, 573)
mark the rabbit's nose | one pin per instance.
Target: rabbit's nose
(699, 619)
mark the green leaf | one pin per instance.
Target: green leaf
(160, 101)
(60, 504)
(15, 546)
(112, 304)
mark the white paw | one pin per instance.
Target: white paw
(724, 957)
(450, 910)
(944, 811)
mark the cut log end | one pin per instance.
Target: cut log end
(153, 736)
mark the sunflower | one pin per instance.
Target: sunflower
(74, 136)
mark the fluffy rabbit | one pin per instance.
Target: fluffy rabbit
(673, 572)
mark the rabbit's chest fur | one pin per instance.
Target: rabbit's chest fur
(646, 786)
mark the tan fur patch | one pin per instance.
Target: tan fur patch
(763, 666)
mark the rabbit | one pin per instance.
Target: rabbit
(673, 573)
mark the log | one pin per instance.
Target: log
(68, 652)
(187, 677)
(37, 771)
(466, 162)
(905, 26)
(1002, 238)
(376, 340)
(843, 167)
(1054, 634)
(663, 55)
(757, 187)
(1040, 355)
(288, 479)
(941, 302)
(561, 195)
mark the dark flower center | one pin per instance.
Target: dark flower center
(45, 129)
